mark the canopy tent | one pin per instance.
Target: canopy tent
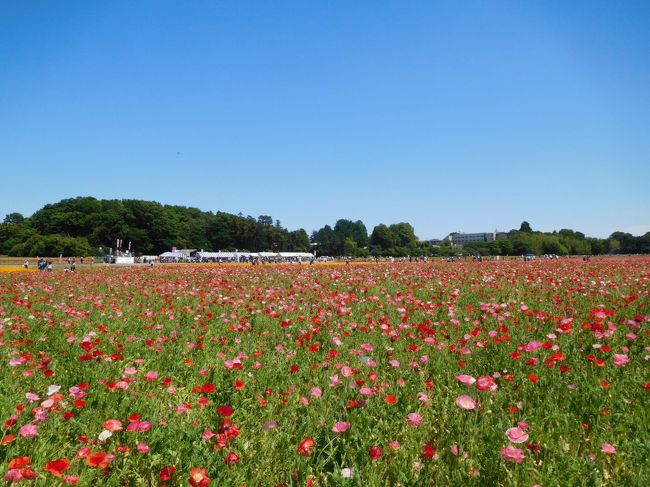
(174, 255)
(248, 255)
(296, 255)
(219, 255)
(268, 255)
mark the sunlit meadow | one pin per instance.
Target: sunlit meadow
(493, 373)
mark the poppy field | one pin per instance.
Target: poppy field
(424, 373)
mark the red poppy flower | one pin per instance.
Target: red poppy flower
(224, 411)
(199, 477)
(7, 439)
(390, 399)
(428, 451)
(167, 472)
(19, 462)
(98, 459)
(305, 447)
(208, 388)
(57, 467)
(232, 458)
(375, 453)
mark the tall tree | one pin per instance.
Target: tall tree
(525, 227)
(405, 235)
(14, 219)
(383, 237)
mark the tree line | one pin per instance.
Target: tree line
(80, 226)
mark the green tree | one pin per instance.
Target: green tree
(14, 219)
(265, 220)
(51, 245)
(405, 235)
(326, 241)
(383, 237)
(356, 231)
(525, 227)
(299, 241)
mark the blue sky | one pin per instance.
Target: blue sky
(451, 116)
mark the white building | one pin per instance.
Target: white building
(460, 239)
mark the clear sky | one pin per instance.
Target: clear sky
(451, 116)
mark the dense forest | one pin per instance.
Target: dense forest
(88, 226)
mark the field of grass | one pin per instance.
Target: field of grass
(493, 373)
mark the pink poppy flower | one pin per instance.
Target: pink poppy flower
(316, 392)
(340, 427)
(532, 346)
(620, 360)
(31, 397)
(468, 380)
(486, 383)
(510, 453)
(151, 376)
(76, 393)
(270, 425)
(414, 419)
(607, 448)
(139, 426)
(28, 431)
(47, 404)
(466, 402)
(516, 435)
(113, 425)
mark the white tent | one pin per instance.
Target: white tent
(296, 255)
(268, 255)
(174, 255)
(224, 255)
(203, 256)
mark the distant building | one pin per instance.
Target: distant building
(459, 239)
